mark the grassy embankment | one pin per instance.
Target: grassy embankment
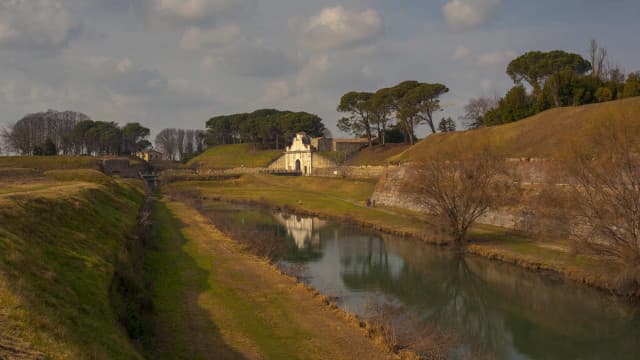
(232, 156)
(62, 236)
(346, 199)
(552, 134)
(213, 300)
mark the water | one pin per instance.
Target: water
(495, 308)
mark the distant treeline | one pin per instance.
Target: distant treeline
(181, 144)
(72, 133)
(556, 78)
(268, 127)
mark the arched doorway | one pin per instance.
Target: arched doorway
(298, 165)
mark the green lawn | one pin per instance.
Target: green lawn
(59, 246)
(346, 199)
(232, 156)
(212, 300)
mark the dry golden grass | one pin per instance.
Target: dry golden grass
(550, 134)
(377, 155)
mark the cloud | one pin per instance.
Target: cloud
(36, 25)
(496, 57)
(461, 53)
(200, 10)
(197, 38)
(124, 77)
(274, 93)
(469, 14)
(252, 59)
(338, 28)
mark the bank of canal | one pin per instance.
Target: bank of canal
(494, 307)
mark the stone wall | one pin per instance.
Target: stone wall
(532, 174)
(122, 168)
(279, 164)
(321, 162)
(357, 172)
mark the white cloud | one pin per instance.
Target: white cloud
(496, 57)
(468, 14)
(274, 93)
(36, 24)
(461, 53)
(200, 10)
(337, 27)
(197, 38)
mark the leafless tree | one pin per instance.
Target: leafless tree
(189, 147)
(34, 129)
(461, 190)
(607, 194)
(180, 134)
(167, 142)
(598, 58)
(476, 109)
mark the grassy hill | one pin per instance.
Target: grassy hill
(231, 156)
(376, 155)
(48, 162)
(550, 134)
(63, 235)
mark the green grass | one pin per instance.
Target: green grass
(550, 134)
(376, 155)
(84, 175)
(59, 250)
(48, 162)
(345, 199)
(232, 156)
(212, 300)
(324, 196)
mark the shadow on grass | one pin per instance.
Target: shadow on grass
(182, 328)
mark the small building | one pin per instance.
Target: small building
(298, 156)
(150, 155)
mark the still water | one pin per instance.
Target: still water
(495, 308)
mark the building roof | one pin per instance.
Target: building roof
(360, 140)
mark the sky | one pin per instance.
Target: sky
(176, 63)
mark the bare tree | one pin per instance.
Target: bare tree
(475, 110)
(607, 194)
(167, 142)
(460, 190)
(180, 134)
(598, 58)
(33, 130)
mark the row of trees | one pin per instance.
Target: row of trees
(181, 144)
(72, 133)
(556, 79)
(29, 134)
(403, 107)
(268, 127)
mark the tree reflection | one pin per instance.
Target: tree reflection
(497, 309)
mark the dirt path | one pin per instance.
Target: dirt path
(215, 301)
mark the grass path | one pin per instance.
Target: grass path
(215, 301)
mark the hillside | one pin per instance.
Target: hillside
(376, 155)
(232, 156)
(63, 236)
(550, 134)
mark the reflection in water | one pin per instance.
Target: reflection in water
(495, 307)
(303, 230)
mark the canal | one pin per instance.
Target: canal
(494, 308)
